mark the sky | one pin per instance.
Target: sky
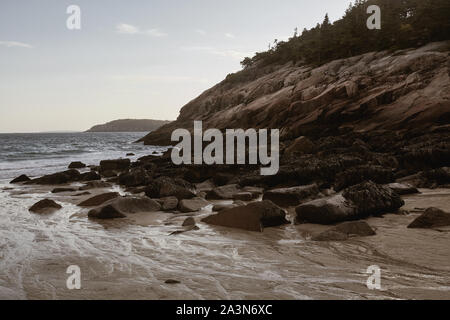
(137, 59)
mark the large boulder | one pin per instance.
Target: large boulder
(90, 176)
(431, 218)
(167, 187)
(402, 188)
(122, 206)
(169, 203)
(63, 177)
(345, 230)
(76, 165)
(356, 202)
(223, 193)
(135, 177)
(192, 205)
(21, 178)
(115, 165)
(99, 199)
(253, 217)
(286, 197)
(326, 211)
(44, 206)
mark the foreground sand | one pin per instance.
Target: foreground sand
(132, 258)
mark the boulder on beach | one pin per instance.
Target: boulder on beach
(222, 206)
(253, 217)
(99, 199)
(169, 203)
(122, 206)
(188, 222)
(135, 177)
(345, 230)
(243, 196)
(431, 218)
(115, 165)
(90, 176)
(21, 178)
(95, 185)
(63, 177)
(168, 187)
(192, 205)
(223, 192)
(44, 206)
(286, 197)
(77, 165)
(356, 202)
(403, 188)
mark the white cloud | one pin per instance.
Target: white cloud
(12, 44)
(230, 35)
(238, 55)
(124, 28)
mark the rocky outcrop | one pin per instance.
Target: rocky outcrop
(21, 178)
(432, 218)
(122, 206)
(99, 199)
(253, 217)
(45, 206)
(77, 165)
(129, 125)
(167, 187)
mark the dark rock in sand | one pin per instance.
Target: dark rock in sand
(223, 193)
(171, 281)
(136, 177)
(90, 176)
(77, 165)
(99, 199)
(192, 205)
(60, 190)
(286, 197)
(44, 206)
(253, 217)
(402, 188)
(344, 230)
(64, 177)
(86, 193)
(120, 207)
(169, 203)
(130, 154)
(22, 178)
(431, 218)
(189, 222)
(221, 207)
(243, 196)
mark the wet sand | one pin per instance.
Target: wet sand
(131, 258)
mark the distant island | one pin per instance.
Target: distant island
(129, 125)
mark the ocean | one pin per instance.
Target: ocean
(36, 154)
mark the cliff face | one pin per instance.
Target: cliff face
(405, 91)
(129, 125)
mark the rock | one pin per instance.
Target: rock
(344, 230)
(189, 222)
(44, 206)
(77, 165)
(171, 281)
(243, 196)
(136, 177)
(253, 217)
(99, 199)
(130, 154)
(221, 207)
(64, 177)
(59, 190)
(431, 218)
(301, 145)
(363, 173)
(168, 187)
(114, 165)
(402, 188)
(286, 197)
(326, 211)
(86, 193)
(192, 205)
(170, 203)
(223, 192)
(95, 185)
(121, 206)
(330, 235)
(21, 178)
(373, 199)
(255, 191)
(90, 176)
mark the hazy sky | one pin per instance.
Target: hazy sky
(131, 58)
